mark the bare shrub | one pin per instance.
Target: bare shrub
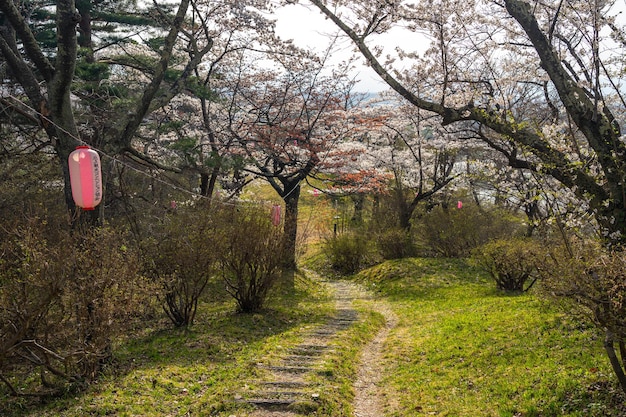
(64, 297)
(453, 232)
(182, 258)
(346, 252)
(511, 263)
(252, 252)
(395, 243)
(28, 182)
(592, 281)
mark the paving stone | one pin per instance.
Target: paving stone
(287, 384)
(290, 369)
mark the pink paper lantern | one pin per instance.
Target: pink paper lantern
(85, 177)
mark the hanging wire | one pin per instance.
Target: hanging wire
(129, 166)
(141, 172)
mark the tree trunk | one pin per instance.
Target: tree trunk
(291, 200)
(606, 196)
(208, 181)
(609, 346)
(359, 203)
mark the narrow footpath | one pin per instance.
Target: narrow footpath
(285, 390)
(368, 401)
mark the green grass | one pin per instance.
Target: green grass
(341, 365)
(464, 349)
(174, 372)
(461, 348)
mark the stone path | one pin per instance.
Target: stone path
(286, 390)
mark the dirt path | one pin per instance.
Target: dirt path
(285, 392)
(368, 401)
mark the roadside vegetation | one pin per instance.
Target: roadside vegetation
(466, 343)
(158, 369)
(461, 348)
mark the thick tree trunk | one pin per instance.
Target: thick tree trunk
(607, 197)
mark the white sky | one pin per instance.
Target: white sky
(309, 29)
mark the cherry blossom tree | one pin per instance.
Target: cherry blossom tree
(394, 150)
(535, 84)
(547, 204)
(283, 119)
(191, 133)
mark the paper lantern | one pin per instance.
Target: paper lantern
(275, 215)
(85, 177)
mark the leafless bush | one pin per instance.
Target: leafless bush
(592, 280)
(182, 260)
(395, 243)
(455, 232)
(347, 252)
(251, 256)
(64, 297)
(512, 263)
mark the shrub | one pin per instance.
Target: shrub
(64, 297)
(511, 263)
(591, 279)
(455, 232)
(395, 244)
(182, 259)
(250, 256)
(28, 183)
(346, 252)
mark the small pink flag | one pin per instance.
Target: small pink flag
(275, 215)
(459, 204)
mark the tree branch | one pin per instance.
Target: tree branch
(31, 46)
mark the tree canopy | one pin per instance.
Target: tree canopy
(537, 83)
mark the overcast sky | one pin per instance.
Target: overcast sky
(309, 29)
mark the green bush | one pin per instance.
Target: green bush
(453, 232)
(510, 262)
(395, 244)
(346, 252)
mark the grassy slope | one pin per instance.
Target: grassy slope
(463, 349)
(172, 372)
(201, 371)
(460, 349)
